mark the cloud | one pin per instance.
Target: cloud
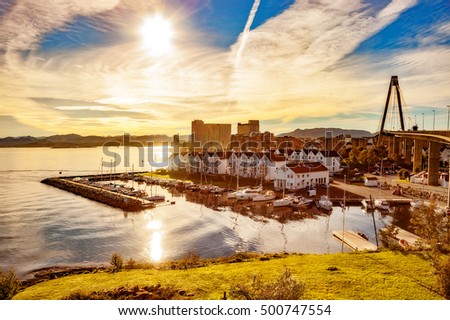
(298, 65)
(301, 61)
(14, 128)
(22, 27)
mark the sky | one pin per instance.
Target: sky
(109, 67)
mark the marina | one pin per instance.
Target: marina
(43, 226)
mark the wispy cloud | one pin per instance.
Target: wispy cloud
(245, 33)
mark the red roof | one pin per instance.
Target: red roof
(307, 167)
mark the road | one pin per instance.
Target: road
(366, 192)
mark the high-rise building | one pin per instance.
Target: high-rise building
(247, 128)
(210, 135)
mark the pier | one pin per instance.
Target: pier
(354, 241)
(407, 239)
(102, 195)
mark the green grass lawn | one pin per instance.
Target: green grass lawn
(373, 276)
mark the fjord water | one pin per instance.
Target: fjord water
(41, 226)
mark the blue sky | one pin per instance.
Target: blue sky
(100, 67)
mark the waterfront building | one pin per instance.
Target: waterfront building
(215, 163)
(301, 175)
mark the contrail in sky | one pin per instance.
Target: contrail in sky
(246, 31)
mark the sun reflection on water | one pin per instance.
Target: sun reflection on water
(155, 245)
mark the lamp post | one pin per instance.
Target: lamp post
(448, 115)
(434, 118)
(423, 121)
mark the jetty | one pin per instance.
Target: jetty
(102, 195)
(354, 241)
(407, 239)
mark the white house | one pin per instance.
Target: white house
(296, 176)
(215, 163)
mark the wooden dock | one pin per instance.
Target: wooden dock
(407, 239)
(354, 241)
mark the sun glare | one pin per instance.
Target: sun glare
(157, 35)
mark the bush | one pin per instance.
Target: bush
(191, 260)
(443, 273)
(284, 288)
(116, 262)
(403, 174)
(9, 285)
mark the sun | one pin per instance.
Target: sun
(157, 35)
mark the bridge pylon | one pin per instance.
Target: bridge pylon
(393, 85)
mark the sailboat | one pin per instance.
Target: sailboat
(154, 197)
(324, 201)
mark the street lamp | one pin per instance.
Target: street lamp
(423, 121)
(448, 115)
(434, 118)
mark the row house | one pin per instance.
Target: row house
(265, 166)
(330, 159)
(296, 176)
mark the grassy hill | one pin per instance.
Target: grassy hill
(374, 276)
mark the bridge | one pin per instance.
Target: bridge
(410, 143)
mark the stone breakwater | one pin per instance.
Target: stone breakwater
(113, 199)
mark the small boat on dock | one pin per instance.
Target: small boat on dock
(269, 195)
(325, 203)
(381, 204)
(248, 194)
(367, 204)
(286, 201)
(301, 203)
(415, 204)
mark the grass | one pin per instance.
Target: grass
(385, 275)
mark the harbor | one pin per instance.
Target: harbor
(58, 227)
(129, 191)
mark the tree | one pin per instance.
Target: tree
(434, 228)
(9, 285)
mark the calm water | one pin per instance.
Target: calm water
(42, 226)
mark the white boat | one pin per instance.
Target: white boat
(301, 202)
(416, 203)
(232, 195)
(248, 193)
(367, 204)
(325, 203)
(269, 195)
(381, 204)
(286, 201)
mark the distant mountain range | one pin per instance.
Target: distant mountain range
(320, 132)
(77, 141)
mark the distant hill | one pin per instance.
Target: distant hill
(77, 141)
(320, 132)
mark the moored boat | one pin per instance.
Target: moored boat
(381, 204)
(286, 201)
(248, 193)
(325, 203)
(301, 202)
(415, 204)
(269, 195)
